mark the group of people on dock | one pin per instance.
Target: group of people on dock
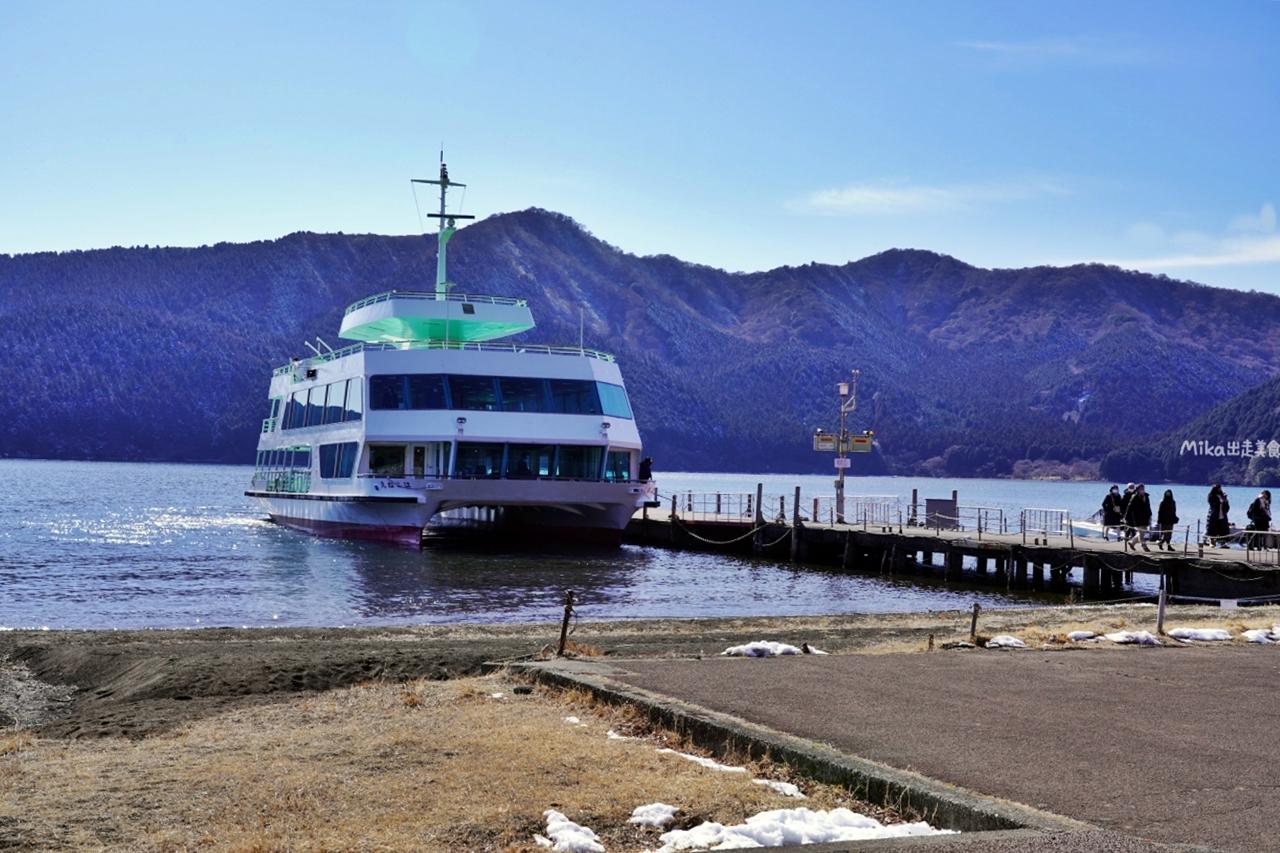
(1129, 514)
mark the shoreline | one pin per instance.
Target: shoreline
(135, 683)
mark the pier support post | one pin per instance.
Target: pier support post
(955, 561)
(1037, 576)
(983, 566)
(847, 560)
(1092, 581)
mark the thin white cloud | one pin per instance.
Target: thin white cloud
(1264, 222)
(858, 199)
(1234, 252)
(1088, 50)
(1195, 249)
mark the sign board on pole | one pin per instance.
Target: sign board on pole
(825, 441)
(842, 462)
(859, 444)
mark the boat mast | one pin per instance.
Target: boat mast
(447, 223)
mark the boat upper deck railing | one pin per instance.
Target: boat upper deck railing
(460, 346)
(435, 297)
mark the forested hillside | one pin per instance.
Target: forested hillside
(149, 353)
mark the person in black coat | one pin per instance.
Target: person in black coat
(1112, 512)
(1167, 517)
(1137, 516)
(1259, 513)
(1219, 526)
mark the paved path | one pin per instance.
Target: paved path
(1180, 745)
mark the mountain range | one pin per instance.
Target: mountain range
(165, 353)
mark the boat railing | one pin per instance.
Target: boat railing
(299, 368)
(432, 296)
(284, 481)
(269, 424)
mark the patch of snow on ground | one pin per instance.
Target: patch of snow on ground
(612, 735)
(1202, 635)
(705, 762)
(790, 826)
(1004, 641)
(1081, 636)
(1141, 638)
(786, 789)
(566, 835)
(654, 814)
(761, 649)
(572, 720)
(1263, 635)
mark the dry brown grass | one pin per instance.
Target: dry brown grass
(458, 765)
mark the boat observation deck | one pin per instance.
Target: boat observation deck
(299, 369)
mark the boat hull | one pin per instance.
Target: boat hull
(579, 512)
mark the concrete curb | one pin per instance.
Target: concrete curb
(942, 805)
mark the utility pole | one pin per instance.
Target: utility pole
(848, 403)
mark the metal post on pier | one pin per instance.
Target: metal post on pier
(757, 539)
(796, 528)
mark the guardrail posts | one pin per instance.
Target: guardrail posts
(757, 540)
(672, 520)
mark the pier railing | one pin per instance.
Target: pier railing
(1046, 522)
(984, 519)
(718, 506)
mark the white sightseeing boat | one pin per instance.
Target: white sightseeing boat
(428, 419)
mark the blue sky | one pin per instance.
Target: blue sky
(743, 135)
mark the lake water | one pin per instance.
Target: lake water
(122, 545)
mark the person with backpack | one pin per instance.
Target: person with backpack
(1259, 513)
(1219, 524)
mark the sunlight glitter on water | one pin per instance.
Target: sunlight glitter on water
(123, 545)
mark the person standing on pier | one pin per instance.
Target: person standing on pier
(1166, 517)
(1260, 515)
(1219, 527)
(1112, 513)
(1137, 516)
(1125, 500)
(646, 469)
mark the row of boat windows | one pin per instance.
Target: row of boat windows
(342, 402)
(335, 403)
(497, 393)
(473, 459)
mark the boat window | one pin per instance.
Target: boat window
(337, 461)
(473, 393)
(479, 460)
(386, 460)
(315, 406)
(579, 462)
(355, 405)
(301, 458)
(575, 396)
(527, 461)
(426, 391)
(388, 392)
(613, 400)
(334, 403)
(617, 466)
(524, 395)
(296, 413)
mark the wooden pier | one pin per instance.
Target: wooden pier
(1025, 559)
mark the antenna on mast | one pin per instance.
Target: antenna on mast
(447, 223)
